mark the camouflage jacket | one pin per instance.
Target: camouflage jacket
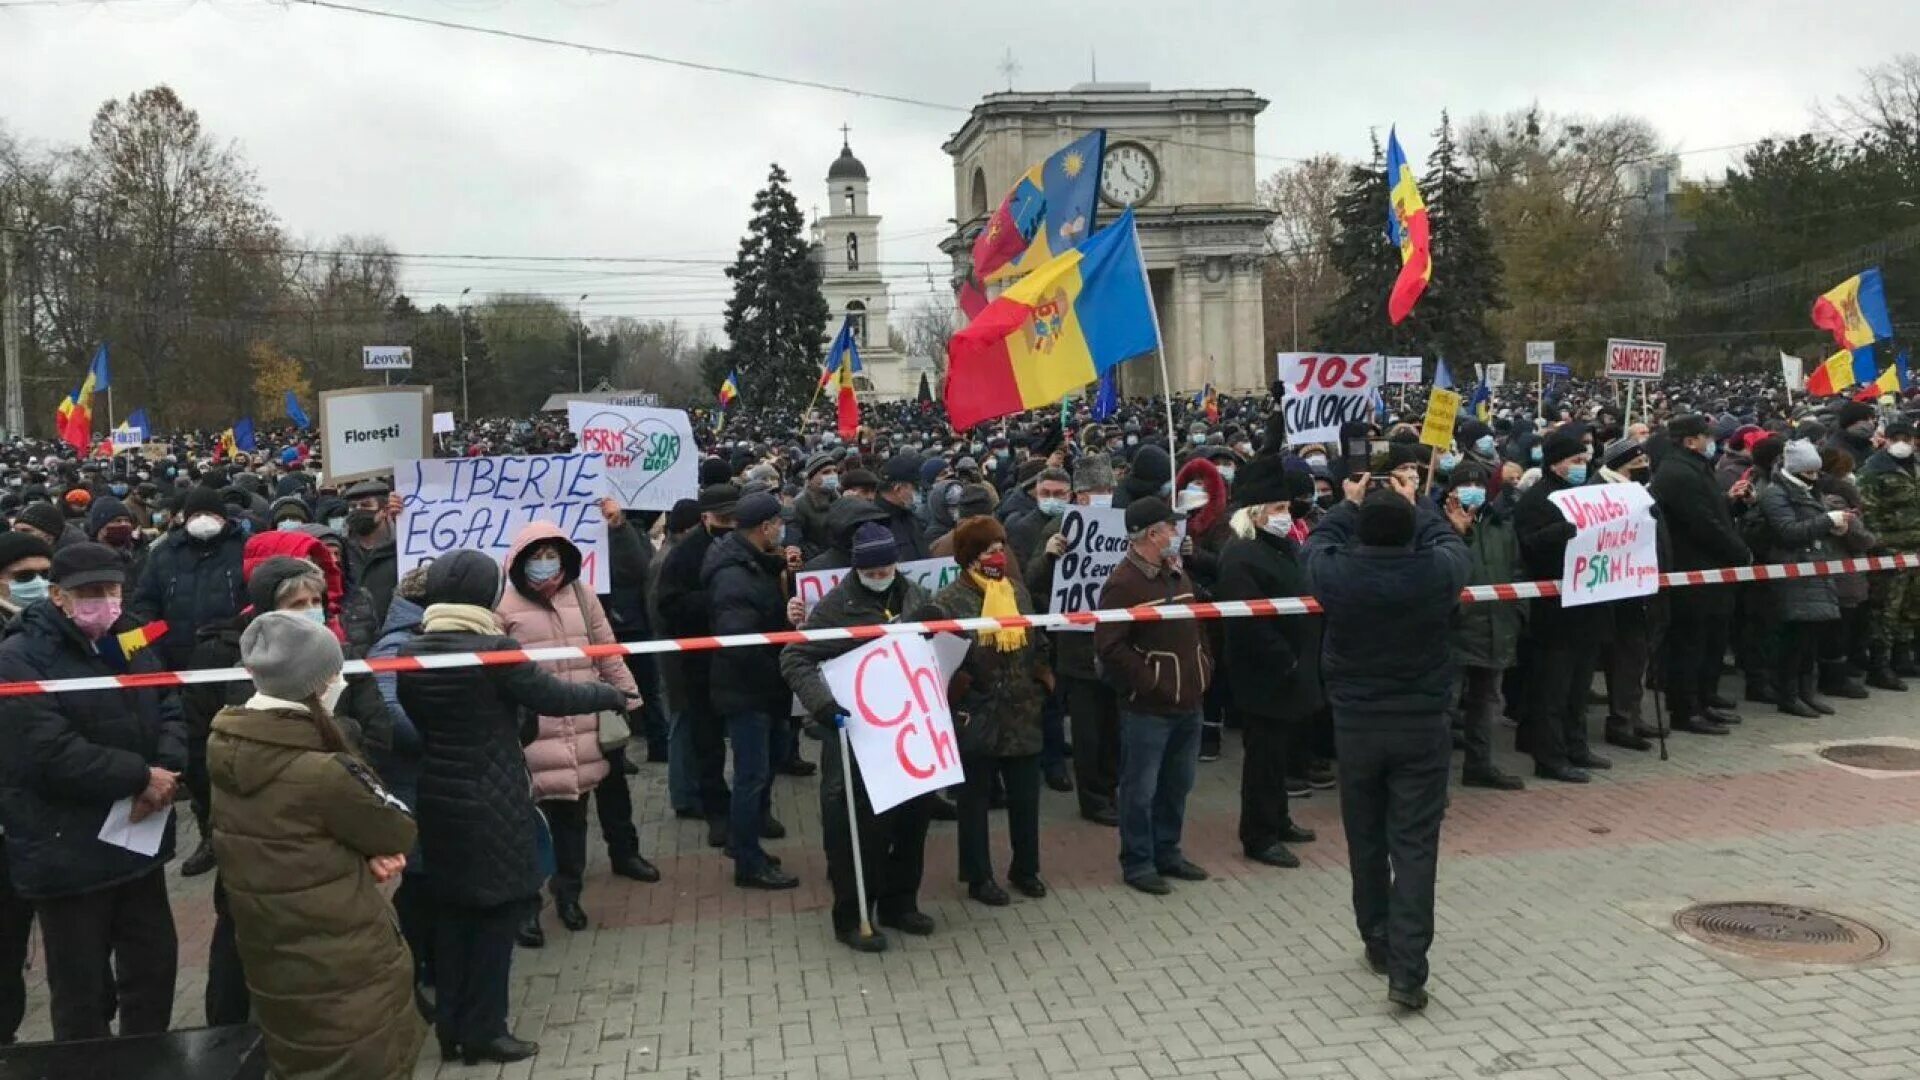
(1890, 496)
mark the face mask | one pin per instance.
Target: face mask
(1197, 438)
(1226, 474)
(205, 527)
(362, 522)
(1002, 455)
(1900, 450)
(1711, 448)
(1472, 498)
(1448, 461)
(541, 571)
(117, 535)
(28, 592)
(119, 490)
(1278, 524)
(1533, 455)
(1316, 461)
(1053, 507)
(289, 525)
(879, 584)
(316, 614)
(1326, 499)
(160, 520)
(337, 524)
(1171, 549)
(919, 502)
(1115, 445)
(1099, 498)
(1577, 475)
(1133, 440)
(993, 567)
(1166, 488)
(830, 482)
(1483, 446)
(331, 695)
(95, 617)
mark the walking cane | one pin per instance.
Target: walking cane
(1660, 725)
(853, 825)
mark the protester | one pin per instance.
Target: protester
(685, 611)
(1485, 637)
(1890, 495)
(25, 562)
(1700, 522)
(1799, 528)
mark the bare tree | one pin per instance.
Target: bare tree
(928, 326)
(1888, 103)
(1299, 278)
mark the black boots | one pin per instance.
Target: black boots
(1904, 664)
(1838, 680)
(1810, 692)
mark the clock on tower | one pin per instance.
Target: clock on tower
(1128, 175)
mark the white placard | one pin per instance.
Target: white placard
(1539, 352)
(1325, 390)
(443, 423)
(1615, 555)
(931, 574)
(483, 502)
(364, 431)
(1792, 369)
(652, 460)
(1496, 375)
(1628, 359)
(127, 439)
(898, 720)
(1403, 371)
(1096, 542)
(386, 357)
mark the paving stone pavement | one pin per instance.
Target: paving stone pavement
(1554, 957)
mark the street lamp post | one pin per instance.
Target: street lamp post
(10, 334)
(579, 331)
(465, 415)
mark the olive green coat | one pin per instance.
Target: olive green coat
(293, 827)
(1004, 689)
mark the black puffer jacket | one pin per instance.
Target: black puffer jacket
(680, 597)
(1275, 662)
(1799, 530)
(190, 585)
(846, 515)
(1697, 515)
(66, 758)
(746, 595)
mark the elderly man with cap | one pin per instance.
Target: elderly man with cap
(372, 560)
(892, 844)
(1160, 670)
(810, 507)
(899, 496)
(745, 579)
(1699, 520)
(66, 760)
(194, 575)
(681, 599)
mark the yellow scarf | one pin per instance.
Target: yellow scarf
(998, 601)
(471, 618)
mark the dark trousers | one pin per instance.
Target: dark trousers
(1556, 716)
(1263, 781)
(413, 906)
(473, 963)
(567, 819)
(1479, 702)
(131, 924)
(752, 736)
(1053, 730)
(1799, 654)
(893, 845)
(709, 732)
(1022, 776)
(613, 800)
(1095, 715)
(1696, 645)
(1393, 795)
(227, 999)
(1625, 668)
(16, 925)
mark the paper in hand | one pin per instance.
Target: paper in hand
(141, 837)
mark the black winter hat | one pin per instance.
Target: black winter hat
(44, 516)
(1151, 466)
(714, 471)
(1559, 446)
(1261, 481)
(464, 577)
(1853, 412)
(1386, 519)
(105, 509)
(1687, 427)
(203, 500)
(15, 546)
(267, 577)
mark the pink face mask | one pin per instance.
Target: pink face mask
(95, 617)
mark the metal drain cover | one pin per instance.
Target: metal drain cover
(1781, 932)
(1874, 756)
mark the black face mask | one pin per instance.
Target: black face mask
(1326, 501)
(362, 522)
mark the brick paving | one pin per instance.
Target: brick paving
(1554, 958)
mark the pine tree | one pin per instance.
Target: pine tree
(777, 315)
(1466, 286)
(1367, 262)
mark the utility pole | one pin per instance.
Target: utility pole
(10, 334)
(579, 332)
(465, 415)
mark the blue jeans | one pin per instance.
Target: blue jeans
(752, 737)
(1158, 756)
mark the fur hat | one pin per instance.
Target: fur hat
(973, 536)
(289, 656)
(1093, 473)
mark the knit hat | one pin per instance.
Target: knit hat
(714, 471)
(44, 516)
(720, 499)
(816, 463)
(15, 546)
(265, 578)
(873, 546)
(291, 508)
(931, 469)
(902, 469)
(1801, 457)
(464, 577)
(105, 509)
(1093, 473)
(684, 515)
(1386, 519)
(973, 536)
(1151, 466)
(289, 656)
(203, 500)
(1901, 428)
(1559, 446)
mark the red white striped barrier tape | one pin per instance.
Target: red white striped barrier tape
(1217, 609)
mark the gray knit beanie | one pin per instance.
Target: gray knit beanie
(289, 656)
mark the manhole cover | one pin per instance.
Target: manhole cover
(1874, 756)
(1782, 932)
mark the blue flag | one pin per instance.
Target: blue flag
(137, 420)
(295, 413)
(1481, 403)
(1442, 378)
(243, 435)
(1106, 396)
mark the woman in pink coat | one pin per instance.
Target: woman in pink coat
(546, 604)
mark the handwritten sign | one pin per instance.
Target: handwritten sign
(1615, 555)
(365, 430)
(482, 503)
(898, 719)
(1443, 407)
(1323, 391)
(1496, 375)
(1403, 371)
(651, 459)
(1636, 359)
(931, 574)
(1096, 539)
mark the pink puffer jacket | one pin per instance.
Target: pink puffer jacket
(566, 760)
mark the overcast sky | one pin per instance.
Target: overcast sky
(447, 142)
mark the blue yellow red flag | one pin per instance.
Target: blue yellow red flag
(1841, 370)
(1049, 212)
(1855, 311)
(729, 388)
(1407, 229)
(1895, 379)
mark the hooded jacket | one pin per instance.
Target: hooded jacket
(293, 827)
(565, 758)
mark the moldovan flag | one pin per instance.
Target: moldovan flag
(729, 388)
(1841, 370)
(76, 412)
(1891, 381)
(1049, 212)
(1062, 326)
(842, 361)
(1855, 311)
(120, 648)
(1407, 229)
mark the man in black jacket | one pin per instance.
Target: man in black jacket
(898, 496)
(746, 591)
(193, 576)
(1700, 524)
(1387, 572)
(68, 759)
(682, 602)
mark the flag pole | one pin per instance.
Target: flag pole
(853, 827)
(1159, 348)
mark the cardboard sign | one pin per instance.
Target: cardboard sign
(483, 502)
(386, 357)
(1443, 408)
(127, 439)
(1495, 375)
(1403, 371)
(1322, 391)
(1096, 539)
(932, 575)
(443, 423)
(1539, 352)
(1794, 371)
(898, 720)
(365, 430)
(1636, 359)
(652, 461)
(1616, 554)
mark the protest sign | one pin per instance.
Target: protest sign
(1323, 391)
(898, 719)
(1636, 359)
(932, 575)
(1496, 375)
(443, 423)
(127, 439)
(483, 502)
(1443, 406)
(1539, 352)
(1096, 539)
(386, 357)
(652, 461)
(1794, 371)
(1403, 371)
(364, 431)
(1557, 371)
(1615, 554)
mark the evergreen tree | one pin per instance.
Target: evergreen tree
(1367, 263)
(777, 315)
(1466, 286)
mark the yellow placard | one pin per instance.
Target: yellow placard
(1443, 406)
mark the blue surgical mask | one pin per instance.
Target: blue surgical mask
(1472, 498)
(29, 591)
(540, 571)
(1133, 440)
(1166, 488)
(830, 482)
(1577, 474)
(315, 613)
(1713, 448)
(1483, 446)
(1197, 438)
(1448, 461)
(1533, 455)
(119, 490)
(1053, 507)
(1226, 473)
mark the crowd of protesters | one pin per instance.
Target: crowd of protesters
(469, 786)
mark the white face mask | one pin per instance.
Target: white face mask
(879, 584)
(1099, 498)
(1900, 450)
(1278, 524)
(330, 697)
(205, 527)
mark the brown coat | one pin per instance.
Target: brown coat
(1156, 667)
